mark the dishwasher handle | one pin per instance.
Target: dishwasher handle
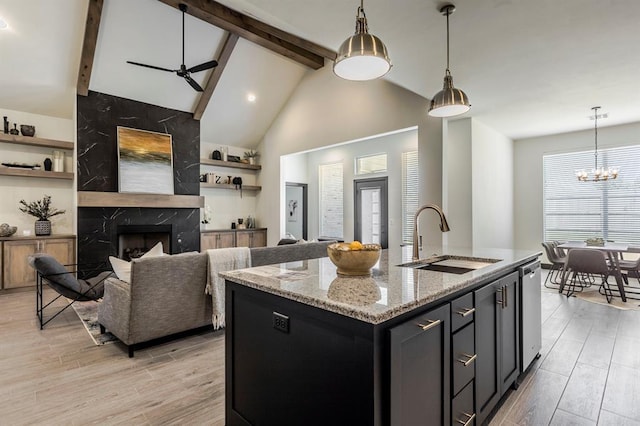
(530, 268)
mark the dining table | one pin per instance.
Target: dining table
(611, 249)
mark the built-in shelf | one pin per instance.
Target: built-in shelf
(230, 164)
(34, 141)
(234, 187)
(9, 171)
(118, 199)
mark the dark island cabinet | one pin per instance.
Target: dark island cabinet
(420, 369)
(496, 342)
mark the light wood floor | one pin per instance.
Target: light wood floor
(589, 372)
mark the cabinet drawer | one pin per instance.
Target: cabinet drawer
(462, 412)
(463, 358)
(462, 311)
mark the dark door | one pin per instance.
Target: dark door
(420, 370)
(371, 211)
(509, 364)
(296, 209)
(488, 349)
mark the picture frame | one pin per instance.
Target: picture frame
(292, 210)
(145, 161)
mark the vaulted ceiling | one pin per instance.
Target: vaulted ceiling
(529, 67)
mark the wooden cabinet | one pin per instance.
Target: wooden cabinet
(233, 238)
(496, 342)
(420, 369)
(218, 239)
(251, 238)
(16, 270)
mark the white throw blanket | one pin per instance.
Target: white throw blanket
(220, 260)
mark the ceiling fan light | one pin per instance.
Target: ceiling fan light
(362, 57)
(450, 101)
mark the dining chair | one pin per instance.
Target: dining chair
(557, 265)
(581, 262)
(630, 267)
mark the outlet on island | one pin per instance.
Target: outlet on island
(281, 322)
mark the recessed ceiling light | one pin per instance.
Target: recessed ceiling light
(3, 24)
(251, 97)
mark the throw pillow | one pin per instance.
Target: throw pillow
(122, 268)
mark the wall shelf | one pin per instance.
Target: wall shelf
(229, 164)
(8, 171)
(224, 186)
(39, 142)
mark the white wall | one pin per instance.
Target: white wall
(325, 110)
(14, 189)
(394, 145)
(528, 155)
(492, 178)
(478, 185)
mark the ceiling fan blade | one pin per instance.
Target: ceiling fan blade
(150, 66)
(203, 66)
(193, 83)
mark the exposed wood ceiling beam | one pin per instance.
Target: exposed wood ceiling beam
(214, 78)
(89, 45)
(286, 44)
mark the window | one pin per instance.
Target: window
(576, 210)
(331, 200)
(376, 163)
(409, 193)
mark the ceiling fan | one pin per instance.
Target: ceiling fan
(183, 71)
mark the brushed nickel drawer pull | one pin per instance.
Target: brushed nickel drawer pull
(470, 359)
(432, 323)
(469, 419)
(501, 301)
(465, 312)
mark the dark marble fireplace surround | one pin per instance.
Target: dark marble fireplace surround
(99, 115)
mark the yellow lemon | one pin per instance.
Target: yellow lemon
(356, 245)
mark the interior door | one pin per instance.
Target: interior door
(371, 211)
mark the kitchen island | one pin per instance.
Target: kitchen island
(404, 346)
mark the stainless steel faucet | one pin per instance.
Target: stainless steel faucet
(444, 227)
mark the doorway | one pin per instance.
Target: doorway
(371, 211)
(296, 209)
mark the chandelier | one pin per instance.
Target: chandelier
(597, 173)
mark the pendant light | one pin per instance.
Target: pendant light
(362, 56)
(597, 173)
(449, 101)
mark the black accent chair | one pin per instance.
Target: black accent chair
(64, 281)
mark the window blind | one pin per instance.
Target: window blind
(409, 194)
(331, 200)
(576, 210)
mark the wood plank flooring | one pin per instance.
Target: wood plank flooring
(588, 374)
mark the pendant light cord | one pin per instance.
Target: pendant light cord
(595, 109)
(448, 13)
(183, 36)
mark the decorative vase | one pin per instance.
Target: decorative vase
(43, 227)
(252, 160)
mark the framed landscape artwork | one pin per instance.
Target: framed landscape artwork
(145, 161)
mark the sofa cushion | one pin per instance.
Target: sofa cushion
(122, 268)
(64, 282)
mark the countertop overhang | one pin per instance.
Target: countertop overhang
(401, 289)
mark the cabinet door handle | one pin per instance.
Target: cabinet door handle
(469, 360)
(470, 418)
(501, 300)
(505, 296)
(465, 312)
(431, 324)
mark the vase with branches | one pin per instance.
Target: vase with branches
(251, 156)
(42, 210)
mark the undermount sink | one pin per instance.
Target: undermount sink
(450, 264)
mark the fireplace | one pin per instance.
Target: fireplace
(136, 240)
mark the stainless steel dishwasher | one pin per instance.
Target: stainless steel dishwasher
(530, 311)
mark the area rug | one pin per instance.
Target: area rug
(591, 294)
(88, 314)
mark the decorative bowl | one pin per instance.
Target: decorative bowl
(27, 130)
(6, 230)
(354, 262)
(356, 291)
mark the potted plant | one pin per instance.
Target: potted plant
(251, 156)
(43, 211)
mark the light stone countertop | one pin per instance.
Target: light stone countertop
(389, 292)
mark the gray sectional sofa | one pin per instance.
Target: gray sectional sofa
(166, 294)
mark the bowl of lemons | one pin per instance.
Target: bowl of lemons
(354, 258)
